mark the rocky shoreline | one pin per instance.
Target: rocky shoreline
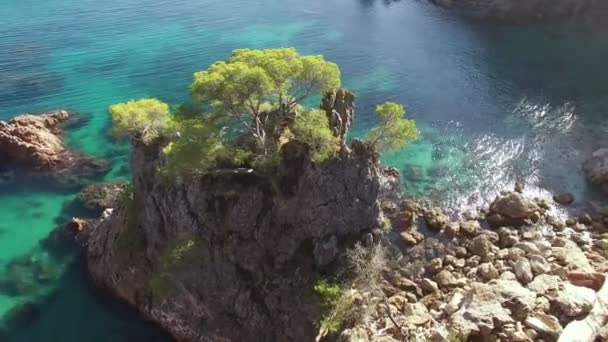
(533, 277)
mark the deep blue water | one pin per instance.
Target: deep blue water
(493, 104)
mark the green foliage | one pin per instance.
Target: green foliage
(387, 225)
(149, 118)
(394, 131)
(262, 87)
(312, 128)
(336, 303)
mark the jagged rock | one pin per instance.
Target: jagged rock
(571, 255)
(248, 240)
(340, 109)
(596, 168)
(436, 265)
(102, 196)
(564, 198)
(429, 286)
(574, 301)
(513, 209)
(411, 238)
(470, 228)
(487, 271)
(455, 302)
(481, 311)
(435, 219)
(539, 265)
(507, 237)
(480, 245)
(545, 325)
(445, 279)
(523, 271)
(452, 229)
(516, 254)
(528, 247)
(416, 313)
(544, 283)
(34, 142)
(593, 327)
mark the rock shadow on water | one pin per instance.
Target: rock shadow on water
(36, 318)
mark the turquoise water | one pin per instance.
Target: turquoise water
(493, 104)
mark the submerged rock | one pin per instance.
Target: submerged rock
(564, 198)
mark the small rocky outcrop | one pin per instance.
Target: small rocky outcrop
(513, 208)
(35, 142)
(596, 169)
(100, 197)
(222, 256)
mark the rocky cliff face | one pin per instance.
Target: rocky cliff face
(529, 11)
(231, 256)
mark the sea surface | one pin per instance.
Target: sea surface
(493, 105)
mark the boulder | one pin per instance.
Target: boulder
(480, 245)
(573, 301)
(35, 143)
(470, 228)
(481, 312)
(455, 302)
(487, 271)
(34, 140)
(596, 168)
(539, 265)
(102, 196)
(416, 313)
(523, 271)
(544, 283)
(429, 286)
(514, 208)
(435, 219)
(545, 325)
(445, 279)
(564, 198)
(594, 281)
(569, 254)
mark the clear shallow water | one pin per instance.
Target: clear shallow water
(493, 104)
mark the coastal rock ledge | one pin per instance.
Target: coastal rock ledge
(231, 255)
(35, 143)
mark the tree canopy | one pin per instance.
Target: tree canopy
(246, 108)
(394, 131)
(261, 88)
(146, 117)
